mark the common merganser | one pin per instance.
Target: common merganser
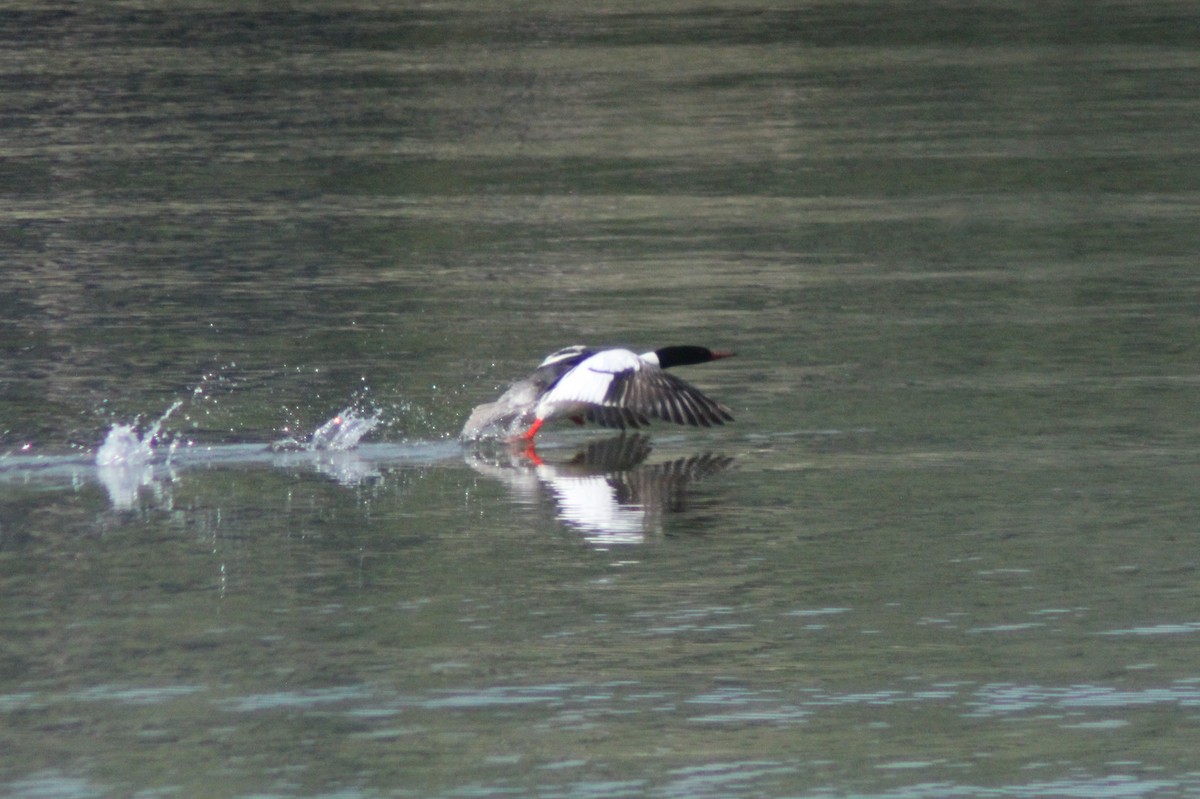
(612, 388)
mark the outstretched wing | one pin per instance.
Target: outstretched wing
(652, 392)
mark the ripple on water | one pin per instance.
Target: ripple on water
(690, 619)
(52, 784)
(1109, 787)
(1159, 629)
(715, 779)
(298, 700)
(1003, 699)
(500, 695)
(739, 705)
(134, 695)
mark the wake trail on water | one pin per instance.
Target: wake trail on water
(136, 457)
(124, 445)
(130, 461)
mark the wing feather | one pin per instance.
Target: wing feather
(667, 397)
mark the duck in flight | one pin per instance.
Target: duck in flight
(611, 387)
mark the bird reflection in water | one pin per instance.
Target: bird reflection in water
(606, 490)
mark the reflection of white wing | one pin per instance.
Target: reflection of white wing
(604, 491)
(591, 505)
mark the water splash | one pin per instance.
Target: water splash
(124, 460)
(343, 431)
(333, 445)
(123, 446)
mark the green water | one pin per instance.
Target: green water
(947, 548)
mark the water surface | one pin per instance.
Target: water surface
(946, 550)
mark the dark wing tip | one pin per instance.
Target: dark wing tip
(662, 395)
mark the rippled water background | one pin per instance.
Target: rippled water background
(949, 548)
